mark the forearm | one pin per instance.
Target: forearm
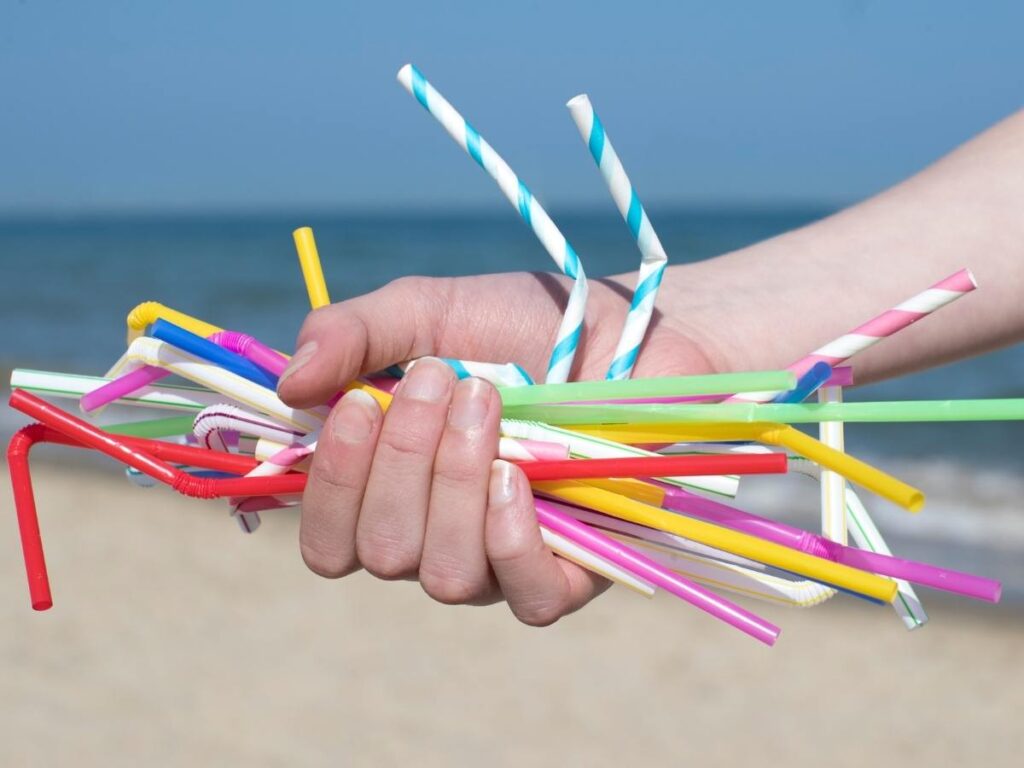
(767, 305)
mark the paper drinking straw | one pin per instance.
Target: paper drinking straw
(833, 485)
(817, 375)
(312, 272)
(993, 409)
(499, 374)
(653, 256)
(532, 212)
(718, 537)
(886, 324)
(654, 466)
(578, 391)
(855, 470)
(591, 447)
(211, 352)
(551, 516)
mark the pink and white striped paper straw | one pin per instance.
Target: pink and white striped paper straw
(870, 333)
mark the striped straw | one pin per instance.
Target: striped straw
(653, 256)
(532, 212)
(873, 331)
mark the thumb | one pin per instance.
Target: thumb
(339, 343)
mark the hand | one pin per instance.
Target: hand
(417, 493)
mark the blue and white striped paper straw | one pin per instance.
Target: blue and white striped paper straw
(653, 256)
(544, 228)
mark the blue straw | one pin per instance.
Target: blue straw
(196, 345)
(807, 384)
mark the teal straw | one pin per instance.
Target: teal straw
(1009, 409)
(666, 386)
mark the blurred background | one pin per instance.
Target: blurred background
(167, 151)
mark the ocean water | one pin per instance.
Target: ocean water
(68, 283)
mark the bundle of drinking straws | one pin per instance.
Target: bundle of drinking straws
(633, 479)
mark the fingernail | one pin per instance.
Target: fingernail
(302, 356)
(469, 404)
(503, 482)
(355, 417)
(430, 380)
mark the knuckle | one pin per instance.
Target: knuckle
(456, 475)
(401, 443)
(542, 613)
(451, 588)
(385, 558)
(335, 479)
(327, 565)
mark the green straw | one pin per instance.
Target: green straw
(172, 426)
(667, 386)
(1009, 409)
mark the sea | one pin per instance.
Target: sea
(68, 282)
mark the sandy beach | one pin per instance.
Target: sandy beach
(176, 641)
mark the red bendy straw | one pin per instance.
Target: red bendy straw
(151, 457)
(657, 466)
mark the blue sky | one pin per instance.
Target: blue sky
(204, 105)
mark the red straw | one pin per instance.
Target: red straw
(657, 466)
(148, 456)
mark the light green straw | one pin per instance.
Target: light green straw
(172, 426)
(667, 386)
(1009, 409)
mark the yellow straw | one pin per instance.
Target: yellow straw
(854, 470)
(744, 545)
(147, 313)
(312, 272)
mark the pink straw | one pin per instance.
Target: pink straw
(551, 516)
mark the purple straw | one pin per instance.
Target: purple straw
(966, 584)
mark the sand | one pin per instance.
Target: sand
(177, 641)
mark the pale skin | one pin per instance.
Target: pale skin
(418, 493)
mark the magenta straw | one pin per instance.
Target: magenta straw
(251, 349)
(242, 344)
(552, 517)
(966, 584)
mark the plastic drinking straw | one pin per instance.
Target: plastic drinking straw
(716, 536)
(855, 470)
(653, 466)
(993, 409)
(237, 343)
(653, 256)
(551, 516)
(172, 426)
(833, 485)
(252, 349)
(144, 314)
(167, 396)
(569, 549)
(149, 351)
(578, 391)
(531, 211)
(312, 272)
(924, 574)
(693, 560)
(866, 536)
(591, 447)
(512, 449)
(806, 385)
(223, 417)
(886, 324)
(207, 350)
